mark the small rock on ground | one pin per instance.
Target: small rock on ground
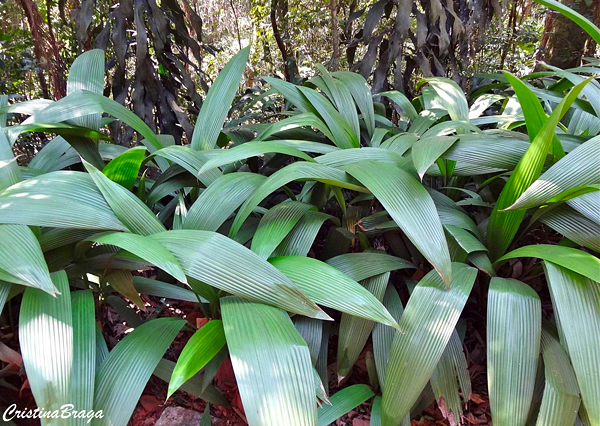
(179, 416)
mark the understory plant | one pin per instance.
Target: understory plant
(286, 232)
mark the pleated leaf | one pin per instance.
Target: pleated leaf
(361, 93)
(146, 248)
(576, 300)
(271, 363)
(411, 207)
(311, 331)
(127, 207)
(503, 225)
(343, 136)
(228, 192)
(276, 224)
(514, 321)
(360, 266)
(21, 259)
(252, 149)
(46, 340)
(451, 97)
(61, 199)
(561, 401)
(343, 402)
(578, 168)
(87, 73)
(128, 367)
(329, 287)
(427, 324)
(218, 101)
(384, 336)
(206, 256)
(124, 169)
(426, 150)
(300, 239)
(191, 160)
(83, 370)
(575, 260)
(161, 289)
(354, 331)
(204, 344)
(403, 102)
(340, 96)
(295, 171)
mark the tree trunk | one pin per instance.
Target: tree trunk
(335, 37)
(565, 42)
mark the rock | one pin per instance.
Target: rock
(179, 416)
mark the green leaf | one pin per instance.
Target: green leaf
(125, 168)
(161, 289)
(146, 248)
(579, 19)
(228, 192)
(535, 117)
(276, 224)
(205, 343)
(46, 340)
(360, 266)
(300, 239)
(514, 321)
(121, 281)
(576, 300)
(190, 160)
(403, 102)
(575, 260)
(21, 259)
(84, 102)
(218, 101)
(58, 199)
(341, 97)
(573, 225)
(343, 402)
(411, 207)
(295, 171)
(561, 401)
(193, 386)
(384, 336)
(329, 287)
(427, 322)
(307, 119)
(451, 97)
(252, 149)
(127, 207)
(343, 136)
(128, 367)
(355, 155)
(503, 225)
(311, 331)
(426, 150)
(87, 73)
(467, 241)
(354, 331)
(361, 92)
(578, 168)
(271, 363)
(206, 256)
(83, 370)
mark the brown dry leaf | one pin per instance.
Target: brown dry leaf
(10, 356)
(149, 403)
(360, 422)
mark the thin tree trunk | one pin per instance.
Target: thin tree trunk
(279, 40)
(335, 37)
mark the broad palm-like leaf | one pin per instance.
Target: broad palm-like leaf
(263, 342)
